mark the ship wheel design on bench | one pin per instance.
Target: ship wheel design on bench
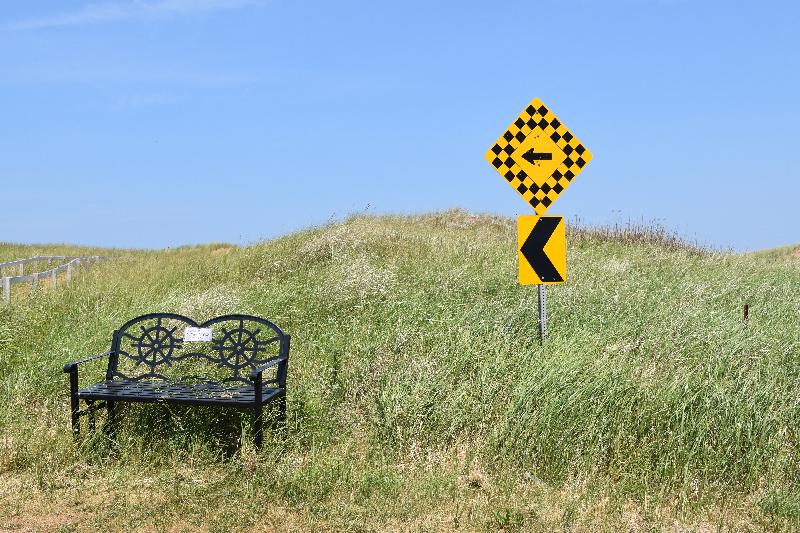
(239, 347)
(155, 346)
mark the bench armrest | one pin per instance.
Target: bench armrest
(69, 367)
(256, 373)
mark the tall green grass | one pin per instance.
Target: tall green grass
(419, 395)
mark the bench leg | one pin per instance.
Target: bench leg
(76, 420)
(258, 426)
(90, 409)
(74, 404)
(282, 413)
(111, 423)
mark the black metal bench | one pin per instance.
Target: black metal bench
(169, 358)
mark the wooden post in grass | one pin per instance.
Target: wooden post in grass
(6, 289)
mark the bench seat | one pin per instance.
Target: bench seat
(177, 393)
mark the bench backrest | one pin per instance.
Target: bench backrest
(153, 346)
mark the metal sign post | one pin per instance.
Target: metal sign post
(542, 314)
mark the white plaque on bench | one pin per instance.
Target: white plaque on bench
(197, 335)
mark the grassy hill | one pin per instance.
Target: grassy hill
(420, 398)
(781, 251)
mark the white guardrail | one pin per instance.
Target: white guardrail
(69, 264)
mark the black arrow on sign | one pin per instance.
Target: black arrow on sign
(532, 156)
(533, 249)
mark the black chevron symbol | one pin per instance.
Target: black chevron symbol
(533, 249)
(531, 156)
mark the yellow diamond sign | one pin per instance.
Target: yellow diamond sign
(538, 156)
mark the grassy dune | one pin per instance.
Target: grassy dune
(419, 396)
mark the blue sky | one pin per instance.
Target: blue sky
(155, 123)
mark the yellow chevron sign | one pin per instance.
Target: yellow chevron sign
(538, 156)
(542, 250)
